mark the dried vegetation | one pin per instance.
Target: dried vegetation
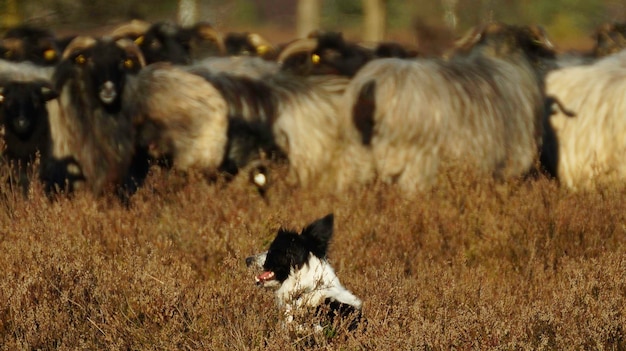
(473, 264)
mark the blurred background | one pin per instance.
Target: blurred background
(568, 22)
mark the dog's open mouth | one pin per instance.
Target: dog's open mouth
(264, 277)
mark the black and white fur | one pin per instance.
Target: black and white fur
(297, 267)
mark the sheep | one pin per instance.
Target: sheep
(181, 115)
(184, 117)
(23, 86)
(301, 113)
(34, 83)
(306, 127)
(609, 38)
(169, 42)
(26, 43)
(248, 44)
(484, 105)
(590, 147)
(90, 120)
(273, 114)
(329, 53)
(24, 116)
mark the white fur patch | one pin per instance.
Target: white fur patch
(312, 284)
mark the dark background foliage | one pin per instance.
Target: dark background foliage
(568, 21)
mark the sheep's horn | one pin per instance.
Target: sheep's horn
(131, 49)
(466, 42)
(134, 28)
(207, 32)
(470, 39)
(79, 43)
(295, 47)
(261, 44)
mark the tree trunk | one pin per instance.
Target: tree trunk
(10, 16)
(450, 17)
(308, 14)
(187, 12)
(374, 22)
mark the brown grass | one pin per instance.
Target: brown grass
(471, 265)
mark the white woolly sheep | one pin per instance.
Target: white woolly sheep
(483, 106)
(591, 146)
(301, 112)
(181, 115)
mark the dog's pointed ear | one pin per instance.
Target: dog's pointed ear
(317, 235)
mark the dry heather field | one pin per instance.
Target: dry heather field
(473, 264)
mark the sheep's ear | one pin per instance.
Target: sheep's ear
(48, 93)
(317, 235)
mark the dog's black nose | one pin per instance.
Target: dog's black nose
(249, 261)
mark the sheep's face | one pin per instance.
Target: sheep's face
(610, 38)
(165, 42)
(331, 50)
(324, 53)
(24, 43)
(103, 68)
(23, 106)
(502, 40)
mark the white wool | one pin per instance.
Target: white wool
(592, 144)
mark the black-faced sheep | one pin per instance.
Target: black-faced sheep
(247, 44)
(483, 106)
(89, 120)
(329, 53)
(169, 42)
(24, 116)
(28, 84)
(27, 43)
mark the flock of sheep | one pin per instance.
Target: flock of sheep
(98, 112)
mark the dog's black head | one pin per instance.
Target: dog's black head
(291, 251)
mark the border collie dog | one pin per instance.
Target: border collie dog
(296, 266)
